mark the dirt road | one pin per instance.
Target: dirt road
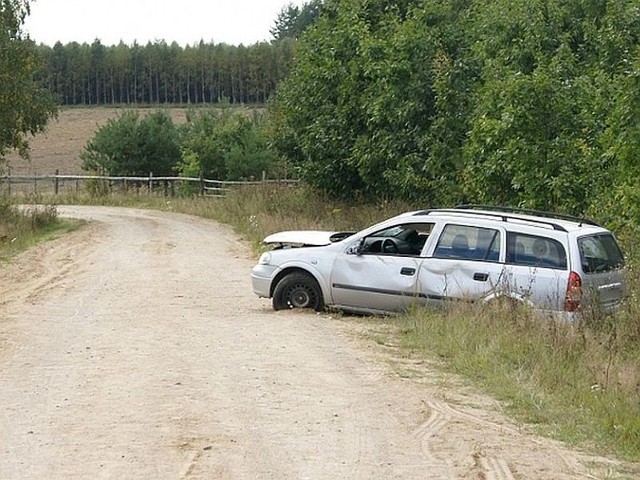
(135, 349)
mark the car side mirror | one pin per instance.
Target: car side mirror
(356, 248)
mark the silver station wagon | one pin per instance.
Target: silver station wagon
(556, 264)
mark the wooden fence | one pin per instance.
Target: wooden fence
(168, 186)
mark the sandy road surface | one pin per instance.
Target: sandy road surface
(135, 349)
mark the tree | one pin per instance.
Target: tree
(225, 145)
(128, 145)
(292, 21)
(25, 106)
(449, 101)
(160, 73)
(351, 115)
(548, 118)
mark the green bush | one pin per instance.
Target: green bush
(130, 145)
(225, 145)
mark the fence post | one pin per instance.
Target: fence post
(150, 182)
(9, 180)
(55, 182)
(201, 184)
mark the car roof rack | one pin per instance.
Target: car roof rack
(538, 213)
(503, 214)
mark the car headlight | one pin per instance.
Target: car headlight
(265, 258)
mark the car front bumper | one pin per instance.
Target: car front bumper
(261, 278)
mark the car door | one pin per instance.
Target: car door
(536, 270)
(381, 274)
(465, 264)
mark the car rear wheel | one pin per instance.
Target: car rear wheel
(297, 290)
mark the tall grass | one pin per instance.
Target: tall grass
(576, 382)
(258, 211)
(21, 228)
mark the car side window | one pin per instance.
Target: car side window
(404, 239)
(469, 243)
(535, 251)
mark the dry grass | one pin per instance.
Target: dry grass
(574, 383)
(23, 228)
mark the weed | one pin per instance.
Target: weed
(572, 381)
(21, 228)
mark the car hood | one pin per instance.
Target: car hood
(305, 238)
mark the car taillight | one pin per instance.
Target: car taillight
(574, 293)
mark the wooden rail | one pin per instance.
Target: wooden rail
(168, 186)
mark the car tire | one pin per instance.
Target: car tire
(298, 290)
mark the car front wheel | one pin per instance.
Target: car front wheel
(297, 290)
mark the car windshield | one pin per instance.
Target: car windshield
(600, 253)
(392, 232)
(405, 239)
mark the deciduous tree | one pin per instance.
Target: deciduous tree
(225, 145)
(25, 106)
(448, 101)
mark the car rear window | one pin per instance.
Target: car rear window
(600, 253)
(535, 251)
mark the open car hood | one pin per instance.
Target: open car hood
(305, 238)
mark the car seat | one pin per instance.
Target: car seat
(460, 246)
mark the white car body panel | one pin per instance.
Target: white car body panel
(376, 282)
(606, 288)
(300, 237)
(454, 279)
(544, 288)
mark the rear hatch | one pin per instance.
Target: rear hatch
(603, 279)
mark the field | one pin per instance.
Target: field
(59, 147)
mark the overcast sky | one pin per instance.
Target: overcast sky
(184, 21)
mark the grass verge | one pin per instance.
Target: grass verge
(23, 228)
(574, 382)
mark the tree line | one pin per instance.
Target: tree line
(161, 73)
